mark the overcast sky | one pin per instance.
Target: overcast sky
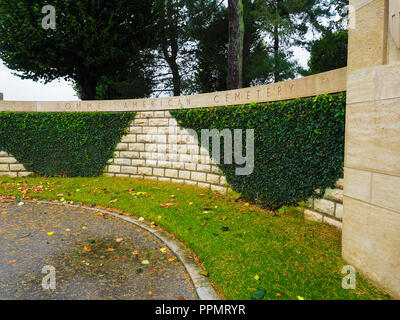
(14, 88)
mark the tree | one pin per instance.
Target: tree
(329, 52)
(236, 38)
(136, 81)
(286, 24)
(208, 25)
(257, 62)
(92, 39)
(174, 48)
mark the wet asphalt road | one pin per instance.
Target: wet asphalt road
(95, 257)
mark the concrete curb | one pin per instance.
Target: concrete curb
(203, 287)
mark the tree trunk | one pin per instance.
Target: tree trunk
(236, 37)
(176, 78)
(88, 89)
(171, 41)
(277, 70)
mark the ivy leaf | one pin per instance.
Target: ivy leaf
(258, 295)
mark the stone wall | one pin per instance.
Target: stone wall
(371, 224)
(157, 149)
(329, 209)
(10, 167)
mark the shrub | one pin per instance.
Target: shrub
(299, 146)
(62, 144)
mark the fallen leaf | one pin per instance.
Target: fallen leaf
(68, 230)
(205, 273)
(163, 250)
(84, 228)
(300, 298)
(50, 233)
(181, 298)
(113, 201)
(141, 219)
(119, 240)
(150, 293)
(12, 261)
(167, 205)
(145, 262)
(110, 249)
(86, 249)
(256, 277)
(153, 271)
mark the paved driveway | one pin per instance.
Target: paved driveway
(95, 256)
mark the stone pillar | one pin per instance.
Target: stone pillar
(371, 222)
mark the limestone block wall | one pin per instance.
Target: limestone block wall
(157, 149)
(329, 209)
(10, 167)
(371, 228)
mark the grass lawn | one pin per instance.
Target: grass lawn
(244, 247)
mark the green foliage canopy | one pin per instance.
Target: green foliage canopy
(92, 38)
(329, 52)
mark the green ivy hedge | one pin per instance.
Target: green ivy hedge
(299, 145)
(62, 144)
